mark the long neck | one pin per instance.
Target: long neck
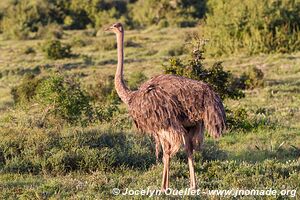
(120, 86)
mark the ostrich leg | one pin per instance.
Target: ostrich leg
(166, 160)
(191, 167)
(157, 148)
(157, 152)
(189, 151)
(165, 179)
(193, 141)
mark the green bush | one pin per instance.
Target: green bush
(106, 17)
(54, 49)
(59, 99)
(108, 44)
(105, 112)
(167, 13)
(103, 91)
(65, 98)
(29, 50)
(136, 79)
(95, 12)
(223, 82)
(238, 119)
(22, 18)
(24, 93)
(50, 31)
(244, 119)
(254, 78)
(30, 18)
(79, 42)
(87, 60)
(252, 27)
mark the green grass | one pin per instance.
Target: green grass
(57, 162)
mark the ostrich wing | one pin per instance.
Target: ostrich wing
(198, 100)
(157, 112)
(153, 109)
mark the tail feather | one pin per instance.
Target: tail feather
(214, 116)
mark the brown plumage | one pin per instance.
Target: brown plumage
(173, 109)
(175, 103)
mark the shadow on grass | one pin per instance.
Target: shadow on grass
(70, 66)
(132, 151)
(114, 61)
(108, 62)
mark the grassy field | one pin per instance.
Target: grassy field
(75, 162)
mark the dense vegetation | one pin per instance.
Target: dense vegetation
(65, 134)
(253, 26)
(235, 26)
(25, 19)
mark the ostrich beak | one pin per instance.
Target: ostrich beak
(107, 29)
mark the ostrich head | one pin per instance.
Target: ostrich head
(116, 28)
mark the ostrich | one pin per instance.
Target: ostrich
(173, 109)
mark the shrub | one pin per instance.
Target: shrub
(50, 31)
(29, 50)
(87, 60)
(57, 99)
(244, 119)
(96, 12)
(222, 81)
(78, 42)
(238, 119)
(108, 17)
(108, 44)
(105, 112)
(104, 91)
(167, 13)
(254, 78)
(54, 49)
(22, 18)
(24, 93)
(136, 79)
(252, 27)
(35, 18)
(65, 98)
